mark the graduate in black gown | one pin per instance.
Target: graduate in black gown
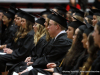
(24, 43)
(82, 59)
(74, 52)
(1, 15)
(38, 51)
(92, 50)
(18, 28)
(96, 64)
(9, 32)
(59, 47)
(96, 16)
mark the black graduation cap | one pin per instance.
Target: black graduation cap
(2, 9)
(82, 28)
(9, 14)
(96, 12)
(90, 16)
(47, 11)
(76, 24)
(49, 16)
(40, 20)
(13, 10)
(61, 9)
(28, 16)
(73, 9)
(59, 19)
(79, 13)
(19, 13)
(89, 29)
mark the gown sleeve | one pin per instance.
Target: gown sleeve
(54, 53)
(25, 50)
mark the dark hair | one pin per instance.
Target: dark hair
(74, 51)
(92, 54)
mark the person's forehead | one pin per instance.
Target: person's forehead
(1, 13)
(51, 21)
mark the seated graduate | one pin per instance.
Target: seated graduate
(74, 52)
(61, 10)
(92, 50)
(58, 47)
(39, 40)
(24, 43)
(96, 16)
(17, 21)
(78, 15)
(96, 64)
(45, 13)
(10, 30)
(82, 59)
(89, 17)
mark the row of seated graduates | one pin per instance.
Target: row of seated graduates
(40, 62)
(25, 40)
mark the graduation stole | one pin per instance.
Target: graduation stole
(61, 63)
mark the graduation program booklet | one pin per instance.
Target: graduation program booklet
(2, 53)
(40, 74)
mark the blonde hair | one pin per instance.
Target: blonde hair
(79, 18)
(98, 18)
(48, 38)
(22, 32)
(41, 31)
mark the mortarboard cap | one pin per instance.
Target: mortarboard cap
(9, 14)
(47, 11)
(28, 16)
(96, 12)
(61, 10)
(59, 19)
(79, 13)
(2, 9)
(73, 9)
(19, 13)
(82, 28)
(89, 29)
(76, 24)
(41, 21)
(90, 16)
(13, 10)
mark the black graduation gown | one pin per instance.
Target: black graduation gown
(38, 49)
(36, 53)
(53, 53)
(8, 34)
(80, 62)
(65, 70)
(19, 54)
(96, 66)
